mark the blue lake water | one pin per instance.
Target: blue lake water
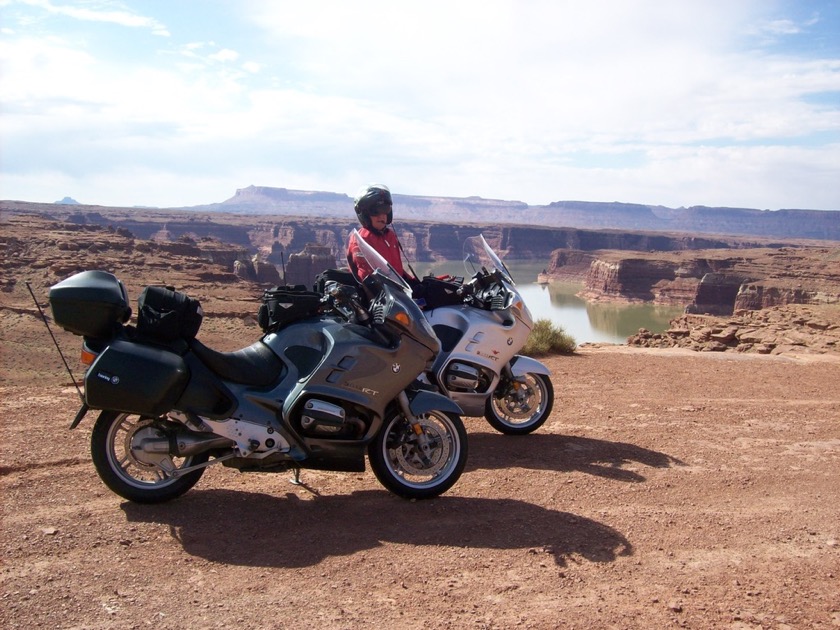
(585, 322)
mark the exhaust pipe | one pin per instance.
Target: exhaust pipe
(183, 443)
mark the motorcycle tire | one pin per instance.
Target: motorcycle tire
(518, 408)
(408, 469)
(137, 476)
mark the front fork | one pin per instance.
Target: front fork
(511, 382)
(414, 407)
(508, 383)
(421, 439)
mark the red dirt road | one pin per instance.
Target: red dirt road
(668, 488)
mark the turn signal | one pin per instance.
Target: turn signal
(403, 318)
(87, 357)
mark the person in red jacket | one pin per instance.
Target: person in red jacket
(375, 210)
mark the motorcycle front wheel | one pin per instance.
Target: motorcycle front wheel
(520, 406)
(132, 472)
(419, 466)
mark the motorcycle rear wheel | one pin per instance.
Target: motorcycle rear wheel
(408, 469)
(138, 476)
(521, 406)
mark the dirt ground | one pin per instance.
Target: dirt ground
(668, 488)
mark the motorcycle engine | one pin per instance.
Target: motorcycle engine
(462, 377)
(325, 419)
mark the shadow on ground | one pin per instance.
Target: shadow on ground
(562, 453)
(253, 529)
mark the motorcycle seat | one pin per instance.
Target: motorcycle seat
(255, 365)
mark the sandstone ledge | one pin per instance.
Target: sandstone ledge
(793, 328)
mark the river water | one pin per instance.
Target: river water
(585, 322)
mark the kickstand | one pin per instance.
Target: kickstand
(297, 482)
(296, 479)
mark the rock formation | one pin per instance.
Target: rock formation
(775, 330)
(304, 266)
(781, 224)
(50, 246)
(714, 282)
(424, 241)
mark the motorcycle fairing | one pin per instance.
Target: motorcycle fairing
(369, 374)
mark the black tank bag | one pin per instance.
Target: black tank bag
(285, 304)
(166, 315)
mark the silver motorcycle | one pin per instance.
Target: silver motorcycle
(482, 324)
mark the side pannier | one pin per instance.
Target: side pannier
(135, 378)
(285, 304)
(166, 315)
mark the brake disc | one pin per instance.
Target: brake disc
(416, 459)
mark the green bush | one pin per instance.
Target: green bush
(545, 339)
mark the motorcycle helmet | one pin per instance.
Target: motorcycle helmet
(372, 200)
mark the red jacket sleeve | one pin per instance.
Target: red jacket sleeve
(358, 264)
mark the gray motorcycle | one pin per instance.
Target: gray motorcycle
(315, 392)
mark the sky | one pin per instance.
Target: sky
(181, 102)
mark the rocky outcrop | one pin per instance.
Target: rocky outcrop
(716, 282)
(629, 279)
(716, 293)
(256, 270)
(569, 265)
(775, 330)
(759, 295)
(304, 266)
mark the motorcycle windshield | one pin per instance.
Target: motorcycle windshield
(478, 254)
(378, 263)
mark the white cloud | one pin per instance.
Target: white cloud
(225, 55)
(99, 13)
(656, 102)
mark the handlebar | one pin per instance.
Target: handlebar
(484, 289)
(342, 295)
(345, 300)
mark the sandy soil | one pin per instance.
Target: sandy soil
(668, 488)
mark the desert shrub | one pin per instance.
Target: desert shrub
(546, 338)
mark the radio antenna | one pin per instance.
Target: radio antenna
(55, 341)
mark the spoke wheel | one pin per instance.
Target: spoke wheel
(520, 406)
(419, 466)
(138, 474)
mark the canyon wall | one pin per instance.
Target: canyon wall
(423, 240)
(706, 274)
(714, 282)
(785, 224)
